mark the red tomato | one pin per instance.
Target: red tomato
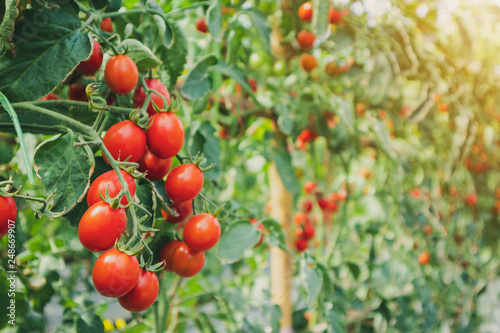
(143, 295)
(109, 180)
(92, 64)
(309, 186)
(306, 11)
(428, 230)
(155, 168)
(416, 193)
(115, 273)
(125, 140)
(301, 245)
(202, 232)
(308, 62)
(101, 226)
(201, 25)
(335, 16)
(184, 182)
(166, 254)
(8, 214)
(49, 97)
(307, 206)
(186, 262)
(299, 218)
(121, 74)
(140, 96)
(184, 208)
(471, 199)
(76, 92)
(309, 231)
(305, 39)
(423, 258)
(165, 136)
(106, 25)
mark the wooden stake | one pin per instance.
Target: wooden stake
(281, 272)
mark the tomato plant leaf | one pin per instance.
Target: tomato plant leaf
(237, 74)
(144, 192)
(139, 328)
(143, 57)
(64, 169)
(336, 324)
(203, 140)
(380, 80)
(174, 58)
(312, 278)
(198, 83)
(283, 161)
(260, 21)
(37, 67)
(320, 20)
(8, 13)
(214, 19)
(276, 234)
(239, 237)
(89, 323)
(275, 318)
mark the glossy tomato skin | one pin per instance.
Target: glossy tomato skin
(186, 262)
(101, 226)
(202, 232)
(140, 96)
(143, 295)
(115, 273)
(125, 140)
(184, 208)
(305, 11)
(8, 212)
(201, 25)
(109, 180)
(155, 167)
(121, 74)
(165, 136)
(166, 254)
(334, 16)
(305, 39)
(184, 182)
(76, 92)
(91, 65)
(106, 25)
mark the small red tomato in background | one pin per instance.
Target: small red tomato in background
(184, 208)
(202, 232)
(106, 25)
(115, 273)
(155, 168)
(8, 214)
(309, 231)
(165, 135)
(308, 62)
(50, 97)
(121, 74)
(92, 64)
(201, 25)
(301, 244)
(428, 230)
(305, 39)
(76, 92)
(307, 206)
(109, 180)
(253, 84)
(125, 140)
(299, 218)
(101, 226)
(305, 11)
(471, 199)
(423, 258)
(335, 16)
(140, 96)
(143, 295)
(184, 182)
(416, 193)
(309, 187)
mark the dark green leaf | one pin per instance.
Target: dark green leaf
(203, 140)
(89, 323)
(355, 270)
(313, 280)
(239, 237)
(37, 67)
(283, 161)
(198, 83)
(174, 57)
(260, 21)
(143, 57)
(64, 169)
(214, 19)
(276, 233)
(336, 325)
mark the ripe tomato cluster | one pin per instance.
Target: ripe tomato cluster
(305, 229)
(305, 137)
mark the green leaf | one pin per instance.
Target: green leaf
(276, 233)
(285, 120)
(145, 195)
(355, 270)
(174, 57)
(260, 21)
(320, 20)
(143, 57)
(198, 83)
(336, 325)
(313, 280)
(64, 169)
(239, 237)
(380, 80)
(275, 318)
(37, 67)
(283, 161)
(237, 74)
(214, 19)
(203, 140)
(89, 323)
(8, 14)
(139, 328)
